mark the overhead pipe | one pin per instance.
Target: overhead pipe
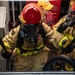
(13, 13)
(20, 6)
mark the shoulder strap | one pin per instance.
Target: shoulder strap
(20, 38)
(43, 33)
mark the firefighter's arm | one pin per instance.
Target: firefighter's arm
(52, 35)
(57, 38)
(46, 27)
(61, 21)
(60, 41)
(64, 23)
(10, 41)
(67, 44)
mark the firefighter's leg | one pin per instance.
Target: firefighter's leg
(40, 60)
(72, 55)
(22, 63)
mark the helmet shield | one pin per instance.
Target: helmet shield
(31, 14)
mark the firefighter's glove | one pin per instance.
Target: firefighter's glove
(71, 23)
(62, 27)
(66, 44)
(6, 55)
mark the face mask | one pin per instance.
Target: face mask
(31, 32)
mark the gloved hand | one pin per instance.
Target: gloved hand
(62, 27)
(70, 20)
(68, 49)
(71, 23)
(6, 55)
(66, 44)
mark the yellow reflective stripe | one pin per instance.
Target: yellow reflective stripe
(6, 45)
(57, 66)
(33, 48)
(40, 46)
(22, 19)
(69, 36)
(27, 53)
(66, 44)
(68, 68)
(18, 50)
(60, 43)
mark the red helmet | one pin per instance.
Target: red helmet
(31, 14)
(73, 9)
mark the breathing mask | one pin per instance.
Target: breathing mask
(30, 32)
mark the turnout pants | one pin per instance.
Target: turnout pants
(33, 62)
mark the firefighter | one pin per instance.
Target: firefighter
(46, 7)
(67, 20)
(47, 17)
(66, 26)
(25, 44)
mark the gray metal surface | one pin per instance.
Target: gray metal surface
(39, 73)
(2, 34)
(2, 17)
(2, 64)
